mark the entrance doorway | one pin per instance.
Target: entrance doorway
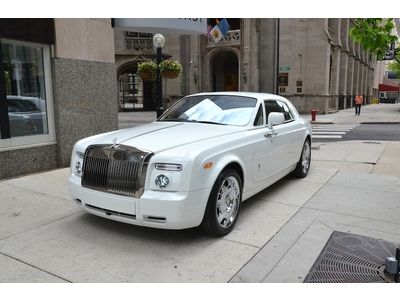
(225, 70)
(133, 92)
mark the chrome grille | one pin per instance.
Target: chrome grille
(115, 169)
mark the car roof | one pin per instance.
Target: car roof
(259, 96)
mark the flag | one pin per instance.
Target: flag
(224, 26)
(216, 34)
(220, 30)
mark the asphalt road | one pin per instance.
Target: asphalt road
(374, 132)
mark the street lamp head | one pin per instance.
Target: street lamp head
(158, 41)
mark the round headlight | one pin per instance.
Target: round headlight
(78, 168)
(162, 181)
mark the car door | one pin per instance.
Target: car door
(287, 139)
(267, 146)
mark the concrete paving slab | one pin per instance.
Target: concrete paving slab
(305, 250)
(290, 191)
(367, 181)
(22, 210)
(19, 272)
(86, 248)
(389, 162)
(349, 151)
(354, 201)
(54, 183)
(319, 175)
(347, 166)
(264, 262)
(259, 221)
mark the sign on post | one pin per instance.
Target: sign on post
(390, 54)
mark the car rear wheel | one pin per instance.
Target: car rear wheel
(303, 166)
(223, 204)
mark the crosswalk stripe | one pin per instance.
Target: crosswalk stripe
(328, 132)
(326, 136)
(331, 131)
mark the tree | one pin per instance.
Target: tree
(395, 67)
(374, 34)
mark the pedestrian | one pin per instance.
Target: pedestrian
(358, 101)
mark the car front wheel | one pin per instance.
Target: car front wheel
(223, 204)
(303, 166)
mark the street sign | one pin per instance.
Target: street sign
(284, 68)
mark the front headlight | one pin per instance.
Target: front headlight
(162, 181)
(169, 167)
(77, 164)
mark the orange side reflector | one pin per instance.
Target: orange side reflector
(208, 165)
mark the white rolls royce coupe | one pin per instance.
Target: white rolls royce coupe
(193, 166)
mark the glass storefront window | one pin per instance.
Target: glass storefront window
(24, 76)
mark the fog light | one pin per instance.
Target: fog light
(162, 181)
(78, 168)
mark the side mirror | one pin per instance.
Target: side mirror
(275, 118)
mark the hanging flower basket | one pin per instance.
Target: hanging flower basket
(170, 69)
(147, 70)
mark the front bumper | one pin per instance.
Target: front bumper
(158, 209)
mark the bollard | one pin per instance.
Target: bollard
(313, 114)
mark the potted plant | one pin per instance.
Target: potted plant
(147, 70)
(170, 68)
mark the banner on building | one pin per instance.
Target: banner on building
(163, 25)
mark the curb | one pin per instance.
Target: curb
(380, 123)
(322, 122)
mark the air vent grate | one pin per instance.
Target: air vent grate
(349, 258)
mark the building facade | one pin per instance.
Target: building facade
(57, 85)
(312, 62)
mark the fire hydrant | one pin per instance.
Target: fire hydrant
(313, 114)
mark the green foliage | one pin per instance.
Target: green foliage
(395, 67)
(147, 66)
(147, 70)
(170, 65)
(374, 34)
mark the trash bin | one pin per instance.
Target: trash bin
(313, 114)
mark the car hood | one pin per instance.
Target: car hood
(161, 136)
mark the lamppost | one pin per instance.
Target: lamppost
(158, 43)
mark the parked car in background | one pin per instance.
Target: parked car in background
(193, 166)
(27, 115)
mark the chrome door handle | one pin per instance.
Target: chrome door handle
(270, 134)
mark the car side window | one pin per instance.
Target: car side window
(286, 112)
(278, 106)
(259, 120)
(271, 106)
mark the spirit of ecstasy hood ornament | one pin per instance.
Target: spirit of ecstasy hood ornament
(114, 142)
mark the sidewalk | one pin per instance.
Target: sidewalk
(353, 186)
(373, 113)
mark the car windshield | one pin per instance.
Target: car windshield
(214, 109)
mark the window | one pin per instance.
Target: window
(278, 106)
(259, 120)
(27, 86)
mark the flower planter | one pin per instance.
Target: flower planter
(169, 74)
(147, 76)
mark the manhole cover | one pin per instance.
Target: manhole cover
(350, 258)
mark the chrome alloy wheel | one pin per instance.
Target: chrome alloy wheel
(228, 202)
(305, 157)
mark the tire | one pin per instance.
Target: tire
(303, 166)
(224, 204)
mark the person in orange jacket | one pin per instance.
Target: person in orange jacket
(358, 102)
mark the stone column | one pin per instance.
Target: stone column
(350, 81)
(344, 62)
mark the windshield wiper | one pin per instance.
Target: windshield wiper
(206, 122)
(174, 120)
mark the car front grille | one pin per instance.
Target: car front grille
(115, 169)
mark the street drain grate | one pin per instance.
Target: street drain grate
(349, 258)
